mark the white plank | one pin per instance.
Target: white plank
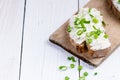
(40, 57)
(11, 19)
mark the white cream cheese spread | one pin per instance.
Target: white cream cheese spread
(87, 26)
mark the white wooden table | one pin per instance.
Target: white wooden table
(27, 54)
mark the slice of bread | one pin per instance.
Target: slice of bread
(114, 7)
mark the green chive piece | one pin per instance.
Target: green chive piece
(87, 22)
(95, 36)
(72, 65)
(63, 68)
(67, 78)
(80, 68)
(82, 78)
(95, 20)
(72, 59)
(69, 58)
(103, 23)
(89, 41)
(95, 73)
(89, 10)
(94, 27)
(85, 73)
(79, 32)
(77, 26)
(106, 36)
(91, 15)
(119, 1)
(69, 28)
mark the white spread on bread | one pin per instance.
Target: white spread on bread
(116, 4)
(87, 26)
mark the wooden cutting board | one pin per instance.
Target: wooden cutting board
(112, 28)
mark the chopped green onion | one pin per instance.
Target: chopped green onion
(72, 65)
(94, 27)
(79, 32)
(95, 20)
(67, 78)
(95, 73)
(80, 68)
(106, 36)
(89, 10)
(87, 22)
(69, 28)
(82, 78)
(103, 23)
(77, 26)
(91, 15)
(72, 59)
(89, 41)
(63, 68)
(85, 73)
(95, 36)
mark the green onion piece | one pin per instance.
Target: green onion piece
(80, 68)
(95, 20)
(69, 28)
(85, 73)
(72, 59)
(95, 73)
(119, 1)
(67, 78)
(106, 36)
(103, 23)
(82, 78)
(94, 27)
(89, 41)
(72, 65)
(79, 32)
(87, 22)
(77, 26)
(63, 68)
(91, 15)
(89, 10)
(95, 36)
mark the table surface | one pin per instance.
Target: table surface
(25, 50)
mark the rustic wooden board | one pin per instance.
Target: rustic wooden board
(112, 28)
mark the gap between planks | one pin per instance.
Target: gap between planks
(22, 39)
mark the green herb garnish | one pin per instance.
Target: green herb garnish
(91, 15)
(69, 28)
(82, 78)
(67, 78)
(95, 20)
(85, 73)
(106, 36)
(63, 68)
(71, 59)
(72, 65)
(79, 32)
(89, 41)
(80, 68)
(89, 10)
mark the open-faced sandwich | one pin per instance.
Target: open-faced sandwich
(115, 7)
(87, 34)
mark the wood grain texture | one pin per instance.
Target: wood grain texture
(11, 21)
(59, 36)
(41, 58)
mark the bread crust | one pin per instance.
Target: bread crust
(96, 53)
(114, 9)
